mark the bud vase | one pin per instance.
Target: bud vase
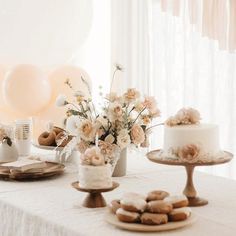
(120, 168)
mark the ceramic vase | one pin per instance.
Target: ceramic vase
(121, 165)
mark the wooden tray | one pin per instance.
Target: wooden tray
(51, 169)
(112, 219)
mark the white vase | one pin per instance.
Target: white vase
(121, 165)
(8, 151)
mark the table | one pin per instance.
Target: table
(52, 207)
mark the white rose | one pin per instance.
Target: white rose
(61, 100)
(123, 139)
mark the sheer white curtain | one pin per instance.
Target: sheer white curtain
(167, 57)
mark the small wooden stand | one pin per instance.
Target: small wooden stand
(94, 197)
(189, 190)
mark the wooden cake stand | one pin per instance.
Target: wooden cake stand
(94, 198)
(189, 190)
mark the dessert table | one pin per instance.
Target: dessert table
(53, 207)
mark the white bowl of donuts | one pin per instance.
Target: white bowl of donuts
(158, 210)
(51, 139)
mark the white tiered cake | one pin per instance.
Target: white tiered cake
(205, 136)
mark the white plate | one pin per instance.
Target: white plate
(112, 219)
(52, 148)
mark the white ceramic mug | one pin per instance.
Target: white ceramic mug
(23, 135)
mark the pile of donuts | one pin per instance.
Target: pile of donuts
(158, 207)
(54, 137)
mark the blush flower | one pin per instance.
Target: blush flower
(189, 152)
(115, 112)
(151, 105)
(82, 146)
(131, 95)
(86, 130)
(123, 139)
(137, 134)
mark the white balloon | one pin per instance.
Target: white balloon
(45, 32)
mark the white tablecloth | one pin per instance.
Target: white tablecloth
(52, 207)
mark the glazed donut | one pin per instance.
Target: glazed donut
(47, 139)
(157, 195)
(159, 206)
(180, 214)
(153, 219)
(133, 195)
(114, 206)
(60, 136)
(133, 204)
(177, 201)
(57, 130)
(126, 216)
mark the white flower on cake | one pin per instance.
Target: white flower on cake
(61, 100)
(93, 156)
(189, 152)
(137, 134)
(185, 116)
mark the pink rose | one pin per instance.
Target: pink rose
(137, 134)
(189, 152)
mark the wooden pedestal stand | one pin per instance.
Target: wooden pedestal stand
(189, 190)
(94, 197)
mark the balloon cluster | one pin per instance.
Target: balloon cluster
(26, 90)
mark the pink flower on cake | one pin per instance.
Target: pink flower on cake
(189, 152)
(137, 134)
(123, 139)
(86, 130)
(115, 112)
(131, 95)
(93, 156)
(185, 116)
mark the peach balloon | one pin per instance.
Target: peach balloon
(26, 89)
(3, 70)
(58, 77)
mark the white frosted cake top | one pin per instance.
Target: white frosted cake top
(194, 126)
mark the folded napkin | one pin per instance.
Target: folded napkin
(25, 165)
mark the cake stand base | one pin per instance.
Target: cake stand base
(197, 201)
(94, 198)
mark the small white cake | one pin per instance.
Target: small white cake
(206, 136)
(95, 177)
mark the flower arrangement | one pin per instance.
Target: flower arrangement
(185, 116)
(124, 119)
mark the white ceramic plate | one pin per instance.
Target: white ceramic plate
(52, 148)
(112, 219)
